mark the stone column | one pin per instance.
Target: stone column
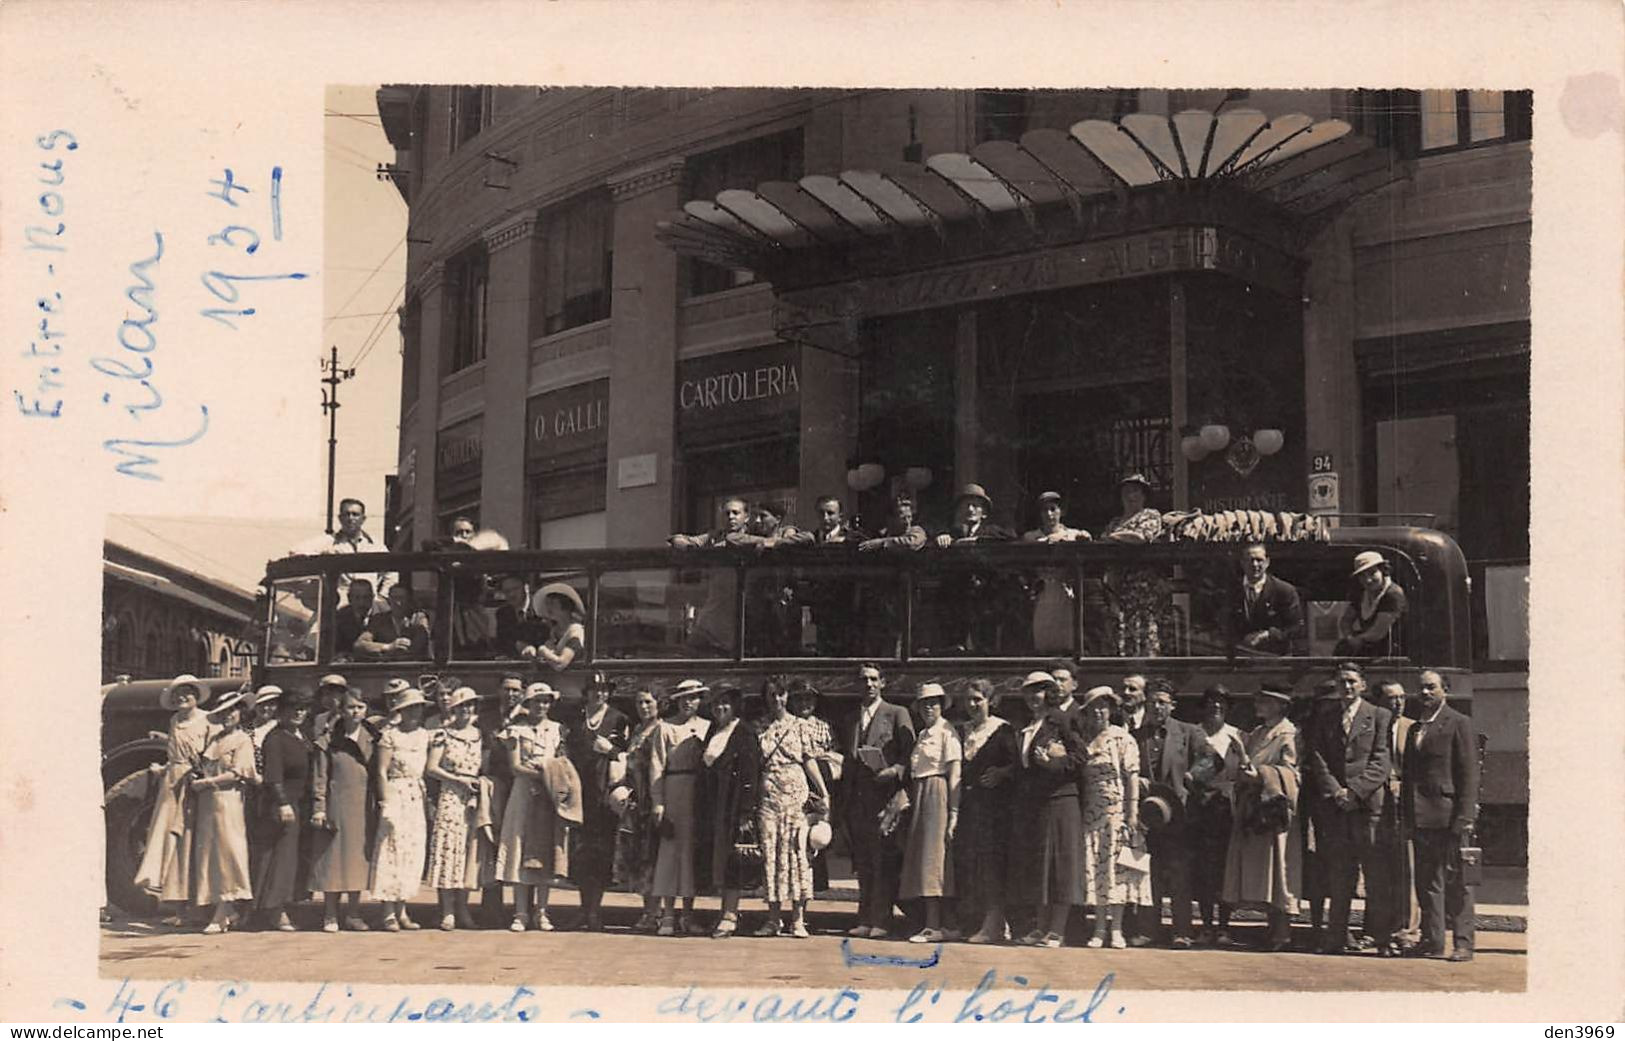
(829, 429)
(507, 375)
(434, 312)
(643, 357)
(1331, 380)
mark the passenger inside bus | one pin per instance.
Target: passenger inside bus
(565, 613)
(1375, 605)
(520, 629)
(1264, 614)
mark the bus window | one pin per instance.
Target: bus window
(668, 613)
(834, 610)
(972, 608)
(397, 628)
(294, 635)
(1327, 592)
(504, 614)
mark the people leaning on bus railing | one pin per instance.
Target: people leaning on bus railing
(900, 531)
(1376, 603)
(1264, 613)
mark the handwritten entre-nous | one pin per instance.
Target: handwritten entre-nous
(44, 401)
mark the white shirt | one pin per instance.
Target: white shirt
(1348, 716)
(1029, 732)
(866, 716)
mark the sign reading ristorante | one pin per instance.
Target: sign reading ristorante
(763, 382)
(563, 427)
(1160, 252)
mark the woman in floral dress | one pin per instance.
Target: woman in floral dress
(1141, 594)
(821, 742)
(789, 775)
(397, 861)
(1111, 811)
(533, 846)
(220, 857)
(166, 864)
(636, 841)
(454, 846)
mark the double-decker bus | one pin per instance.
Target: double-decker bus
(742, 615)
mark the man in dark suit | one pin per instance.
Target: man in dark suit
(971, 599)
(1393, 836)
(1440, 796)
(1168, 750)
(884, 730)
(1348, 756)
(1265, 614)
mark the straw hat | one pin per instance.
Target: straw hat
(1040, 679)
(687, 688)
(1266, 690)
(1094, 694)
(406, 699)
(333, 679)
(166, 698)
(1366, 561)
(930, 692)
(268, 695)
(395, 687)
(557, 589)
(461, 696)
(234, 700)
(819, 836)
(1136, 478)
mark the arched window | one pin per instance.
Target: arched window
(149, 658)
(124, 643)
(223, 668)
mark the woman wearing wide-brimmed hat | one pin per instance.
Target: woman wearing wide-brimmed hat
(343, 810)
(982, 839)
(1140, 594)
(636, 842)
(933, 772)
(398, 854)
(675, 761)
(166, 864)
(1264, 865)
(225, 769)
(594, 745)
(534, 846)
(1111, 812)
(455, 754)
(285, 784)
(1375, 606)
(564, 610)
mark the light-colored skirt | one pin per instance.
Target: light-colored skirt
(221, 856)
(454, 845)
(166, 865)
(397, 862)
(1264, 870)
(927, 867)
(674, 865)
(530, 832)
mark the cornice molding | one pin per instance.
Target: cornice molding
(647, 178)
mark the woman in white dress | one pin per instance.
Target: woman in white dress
(166, 864)
(533, 846)
(225, 768)
(397, 863)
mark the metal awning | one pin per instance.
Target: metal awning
(1289, 173)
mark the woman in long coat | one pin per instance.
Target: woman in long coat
(982, 839)
(1264, 866)
(166, 864)
(675, 762)
(592, 745)
(1111, 813)
(636, 842)
(1046, 865)
(933, 772)
(343, 812)
(534, 846)
(220, 857)
(285, 785)
(730, 789)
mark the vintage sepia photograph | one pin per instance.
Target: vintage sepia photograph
(1054, 542)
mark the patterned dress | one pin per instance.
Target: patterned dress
(1141, 593)
(1111, 755)
(454, 850)
(166, 865)
(782, 816)
(397, 861)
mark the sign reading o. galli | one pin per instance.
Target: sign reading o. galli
(459, 451)
(567, 427)
(761, 386)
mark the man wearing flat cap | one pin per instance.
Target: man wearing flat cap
(969, 601)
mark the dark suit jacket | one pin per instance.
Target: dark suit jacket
(1276, 609)
(1184, 746)
(1358, 762)
(1037, 781)
(891, 731)
(1441, 772)
(985, 532)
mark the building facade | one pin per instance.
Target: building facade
(160, 620)
(624, 305)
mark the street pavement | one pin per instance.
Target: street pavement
(141, 949)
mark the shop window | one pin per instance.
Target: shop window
(1426, 122)
(659, 613)
(470, 111)
(469, 280)
(578, 239)
(776, 157)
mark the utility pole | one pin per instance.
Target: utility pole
(330, 404)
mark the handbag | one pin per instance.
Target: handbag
(747, 850)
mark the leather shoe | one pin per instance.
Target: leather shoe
(1181, 943)
(1461, 954)
(1423, 951)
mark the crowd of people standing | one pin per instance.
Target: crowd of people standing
(995, 828)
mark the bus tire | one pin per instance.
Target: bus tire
(127, 808)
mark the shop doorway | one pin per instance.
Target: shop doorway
(1081, 442)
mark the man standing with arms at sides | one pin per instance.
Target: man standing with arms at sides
(350, 538)
(1393, 837)
(877, 744)
(1441, 805)
(1132, 708)
(1348, 755)
(1168, 750)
